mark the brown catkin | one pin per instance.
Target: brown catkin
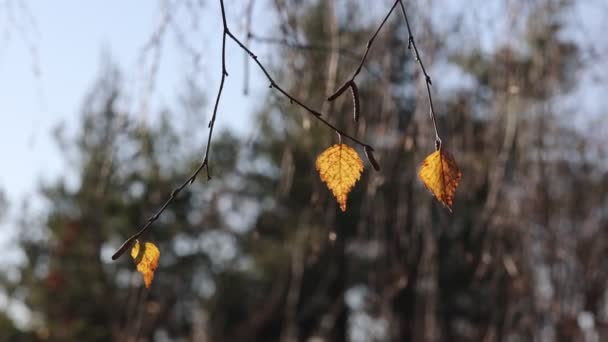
(356, 106)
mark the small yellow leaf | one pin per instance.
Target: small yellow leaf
(147, 262)
(340, 168)
(440, 175)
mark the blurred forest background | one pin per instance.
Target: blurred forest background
(261, 252)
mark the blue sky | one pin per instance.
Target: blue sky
(69, 38)
(48, 65)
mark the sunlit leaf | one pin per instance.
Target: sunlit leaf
(146, 260)
(440, 175)
(340, 168)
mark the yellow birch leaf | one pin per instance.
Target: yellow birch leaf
(147, 262)
(440, 175)
(340, 168)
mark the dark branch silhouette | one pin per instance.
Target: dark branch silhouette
(350, 83)
(427, 79)
(205, 162)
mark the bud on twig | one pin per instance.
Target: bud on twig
(340, 90)
(369, 153)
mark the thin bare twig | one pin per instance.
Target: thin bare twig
(273, 84)
(370, 43)
(205, 162)
(350, 83)
(249, 14)
(412, 44)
